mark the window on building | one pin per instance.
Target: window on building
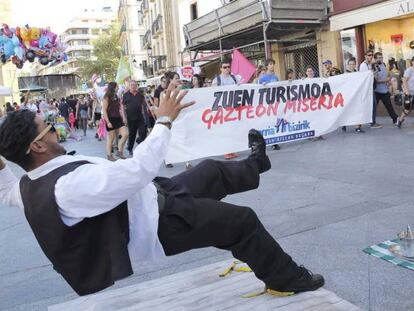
(349, 46)
(140, 17)
(84, 31)
(126, 48)
(141, 39)
(85, 21)
(95, 31)
(194, 11)
(99, 21)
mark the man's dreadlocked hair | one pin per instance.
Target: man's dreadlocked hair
(16, 133)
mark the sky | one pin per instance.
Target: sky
(52, 13)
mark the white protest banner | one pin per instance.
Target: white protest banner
(285, 111)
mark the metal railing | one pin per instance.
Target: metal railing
(245, 14)
(146, 41)
(144, 6)
(160, 62)
(157, 26)
(148, 71)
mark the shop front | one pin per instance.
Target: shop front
(382, 26)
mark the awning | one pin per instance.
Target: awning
(33, 88)
(371, 14)
(5, 91)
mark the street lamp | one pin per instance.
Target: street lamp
(149, 52)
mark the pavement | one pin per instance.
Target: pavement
(324, 201)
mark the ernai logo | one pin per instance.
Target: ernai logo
(187, 72)
(283, 126)
(293, 131)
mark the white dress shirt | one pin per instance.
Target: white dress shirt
(93, 189)
(29, 106)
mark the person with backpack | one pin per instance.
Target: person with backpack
(225, 77)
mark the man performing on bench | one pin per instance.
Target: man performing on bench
(91, 216)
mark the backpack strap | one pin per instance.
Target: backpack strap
(218, 80)
(234, 78)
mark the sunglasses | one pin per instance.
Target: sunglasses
(47, 129)
(225, 67)
(370, 54)
(163, 81)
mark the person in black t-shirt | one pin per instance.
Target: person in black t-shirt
(134, 103)
(159, 90)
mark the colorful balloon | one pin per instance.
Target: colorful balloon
(25, 35)
(28, 43)
(34, 43)
(30, 56)
(35, 33)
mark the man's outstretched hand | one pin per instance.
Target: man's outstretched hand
(2, 164)
(170, 104)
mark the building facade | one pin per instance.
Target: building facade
(188, 11)
(161, 40)
(78, 37)
(130, 16)
(8, 71)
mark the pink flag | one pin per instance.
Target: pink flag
(242, 67)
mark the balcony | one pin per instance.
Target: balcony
(160, 63)
(148, 71)
(146, 41)
(144, 6)
(83, 47)
(68, 37)
(157, 26)
(241, 22)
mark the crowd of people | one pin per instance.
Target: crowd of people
(129, 115)
(122, 210)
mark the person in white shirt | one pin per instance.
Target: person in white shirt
(367, 65)
(122, 211)
(26, 104)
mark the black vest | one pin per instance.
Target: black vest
(90, 255)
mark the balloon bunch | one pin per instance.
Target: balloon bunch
(28, 43)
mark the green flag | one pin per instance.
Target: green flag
(124, 71)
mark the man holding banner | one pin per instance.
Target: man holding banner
(270, 77)
(226, 78)
(122, 210)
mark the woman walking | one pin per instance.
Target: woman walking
(115, 121)
(97, 114)
(82, 113)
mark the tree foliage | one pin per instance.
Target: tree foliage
(105, 59)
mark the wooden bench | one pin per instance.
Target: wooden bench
(203, 289)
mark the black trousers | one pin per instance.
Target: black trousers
(135, 126)
(386, 100)
(194, 217)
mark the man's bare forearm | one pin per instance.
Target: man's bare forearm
(2, 164)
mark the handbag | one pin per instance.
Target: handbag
(398, 99)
